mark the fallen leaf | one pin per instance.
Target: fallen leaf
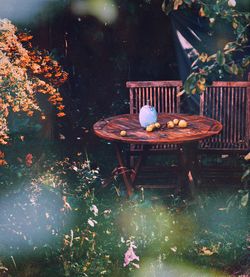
(247, 157)
(174, 249)
(61, 136)
(204, 251)
(244, 200)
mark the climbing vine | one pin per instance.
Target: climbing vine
(224, 61)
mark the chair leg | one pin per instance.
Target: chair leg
(125, 174)
(131, 161)
(137, 166)
(188, 165)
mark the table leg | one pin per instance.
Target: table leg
(142, 158)
(126, 176)
(188, 163)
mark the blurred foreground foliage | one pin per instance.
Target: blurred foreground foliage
(57, 220)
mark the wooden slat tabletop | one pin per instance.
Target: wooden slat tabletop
(199, 127)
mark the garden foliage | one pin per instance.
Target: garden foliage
(25, 72)
(226, 61)
(57, 221)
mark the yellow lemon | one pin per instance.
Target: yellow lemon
(182, 123)
(123, 133)
(201, 86)
(157, 125)
(176, 121)
(170, 124)
(193, 91)
(150, 128)
(202, 81)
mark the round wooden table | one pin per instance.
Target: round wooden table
(199, 127)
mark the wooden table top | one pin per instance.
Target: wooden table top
(199, 127)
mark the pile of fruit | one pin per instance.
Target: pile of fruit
(152, 127)
(170, 125)
(178, 123)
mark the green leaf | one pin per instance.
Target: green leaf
(235, 69)
(230, 45)
(216, 8)
(227, 68)
(190, 83)
(244, 200)
(246, 61)
(246, 175)
(167, 7)
(240, 29)
(206, 10)
(220, 58)
(240, 72)
(188, 2)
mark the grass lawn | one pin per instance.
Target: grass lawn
(58, 220)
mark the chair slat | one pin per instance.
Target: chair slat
(228, 102)
(163, 95)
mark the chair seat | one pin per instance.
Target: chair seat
(223, 146)
(155, 147)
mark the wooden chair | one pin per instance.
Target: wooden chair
(229, 103)
(163, 95)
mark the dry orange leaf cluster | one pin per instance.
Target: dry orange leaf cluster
(2, 160)
(24, 72)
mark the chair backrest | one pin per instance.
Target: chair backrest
(228, 102)
(163, 95)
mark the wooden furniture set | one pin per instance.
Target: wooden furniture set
(199, 127)
(227, 102)
(224, 104)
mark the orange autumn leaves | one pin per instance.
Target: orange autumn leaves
(2, 160)
(29, 160)
(48, 72)
(24, 72)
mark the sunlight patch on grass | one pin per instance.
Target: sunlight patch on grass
(158, 269)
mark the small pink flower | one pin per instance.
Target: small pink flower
(28, 159)
(231, 3)
(130, 255)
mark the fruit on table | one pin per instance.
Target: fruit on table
(182, 123)
(157, 125)
(176, 121)
(123, 133)
(150, 128)
(170, 124)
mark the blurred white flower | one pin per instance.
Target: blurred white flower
(94, 209)
(231, 3)
(92, 222)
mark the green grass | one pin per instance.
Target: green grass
(174, 235)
